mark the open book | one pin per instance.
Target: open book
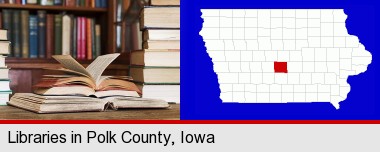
(86, 81)
(58, 104)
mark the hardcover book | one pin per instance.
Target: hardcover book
(155, 75)
(86, 81)
(33, 36)
(160, 17)
(41, 34)
(61, 104)
(16, 37)
(169, 58)
(25, 33)
(50, 34)
(58, 34)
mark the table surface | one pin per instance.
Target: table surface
(12, 113)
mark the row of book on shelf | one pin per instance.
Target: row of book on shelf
(154, 74)
(77, 3)
(156, 68)
(42, 35)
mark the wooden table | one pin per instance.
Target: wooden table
(12, 113)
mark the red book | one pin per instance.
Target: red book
(70, 3)
(18, 1)
(84, 39)
(79, 38)
(49, 35)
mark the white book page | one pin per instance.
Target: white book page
(70, 63)
(96, 68)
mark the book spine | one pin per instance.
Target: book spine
(58, 34)
(70, 3)
(92, 3)
(25, 33)
(79, 37)
(23, 2)
(74, 37)
(18, 1)
(89, 39)
(33, 36)
(1, 20)
(66, 24)
(16, 33)
(93, 47)
(41, 33)
(7, 24)
(46, 2)
(104, 3)
(50, 35)
(31, 1)
(98, 3)
(97, 40)
(57, 2)
(83, 40)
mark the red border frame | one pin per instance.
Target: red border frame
(189, 121)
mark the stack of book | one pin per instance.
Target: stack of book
(43, 35)
(156, 68)
(77, 3)
(5, 90)
(83, 89)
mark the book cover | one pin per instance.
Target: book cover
(7, 23)
(160, 17)
(58, 2)
(58, 34)
(66, 39)
(31, 1)
(25, 33)
(70, 2)
(97, 40)
(33, 36)
(46, 2)
(41, 33)
(79, 37)
(83, 38)
(88, 39)
(50, 34)
(74, 37)
(16, 39)
(165, 2)
(93, 47)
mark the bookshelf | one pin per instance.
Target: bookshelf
(25, 72)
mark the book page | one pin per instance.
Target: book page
(97, 67)
(70, 63)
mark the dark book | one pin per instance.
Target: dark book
(16, 39)
(98, 3)
(78, 39)
(18, 1)
(97, 40)
(58, 34)
(6, 23)
(49, 35)
(104, 3)
(41, 34)
(74, 37)
(57, 2)
(33, 36)
(25, 33)
(93, 47)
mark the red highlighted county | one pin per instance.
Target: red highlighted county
(280, 67)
